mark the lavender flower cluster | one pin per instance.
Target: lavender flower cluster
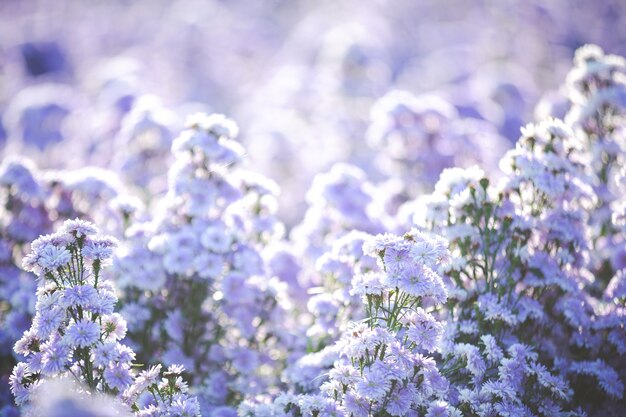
(439, 270)
(195, 282)
(75, 332)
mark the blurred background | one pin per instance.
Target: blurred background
(398, 88)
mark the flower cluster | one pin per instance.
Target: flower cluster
(596, 88)
(142, 144)
(417, 137)
(195, 282)
(32, 202)
(383, 366)
(330, 307)
(340, 200)
(522, 279)
(76, 333)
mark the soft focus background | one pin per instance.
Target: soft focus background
(109, 83)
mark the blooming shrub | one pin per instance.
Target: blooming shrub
(381, 369)
(196, 289)
(33, 201)
(76, 333)
(525, 275)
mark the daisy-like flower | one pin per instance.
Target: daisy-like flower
(80, 295)
(51, 257)
(118, 375)
(346, 374)
(438, 409)
(105, 353)
(399, 402)
(209, 265)
(374, 385)
(420, 281)
(47, 321)
(55, 357)
(79, 228)
(216, 239)
(356, 405)
(75, 330)
(184, 406)
(99, 248)
(176, 383)
(18, 381)
(28, 343)
(83, 333)
(113, 326)
(396, 260)
(174, 369)
(370, 283)
(423, 329)
(149, 376)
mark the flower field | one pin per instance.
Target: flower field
(312, 209)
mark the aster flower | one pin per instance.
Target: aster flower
(28, 343)
(99, 248)
(408, 131)
(423, 329)
(78, 228)
(384, 346)
(118, 376)
(55, 356)
(374, 385)
(21, 383)
(113, 326)
(606, 376)
(51, 257)
(83, 333)
(215, 239)
(46, 321)
(105, 353)
(80, 295)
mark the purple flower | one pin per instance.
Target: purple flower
(105, 353)
(28, 343)
(209, 265)
(19, 385)
(83, 333)
(606, 376)
(423, 329)
(106, 300)
(55, 357)
(356, 405)
(48, 321)
(179, 261)
(438, 409)
(421, 281)
(185, 406)
(400, 401)
(80, 295)
(20, 175)
(52, 257)
(396, 260)
(374, 385)
(79, 228)
(99, 248)
(373, 283)
(118, 375)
